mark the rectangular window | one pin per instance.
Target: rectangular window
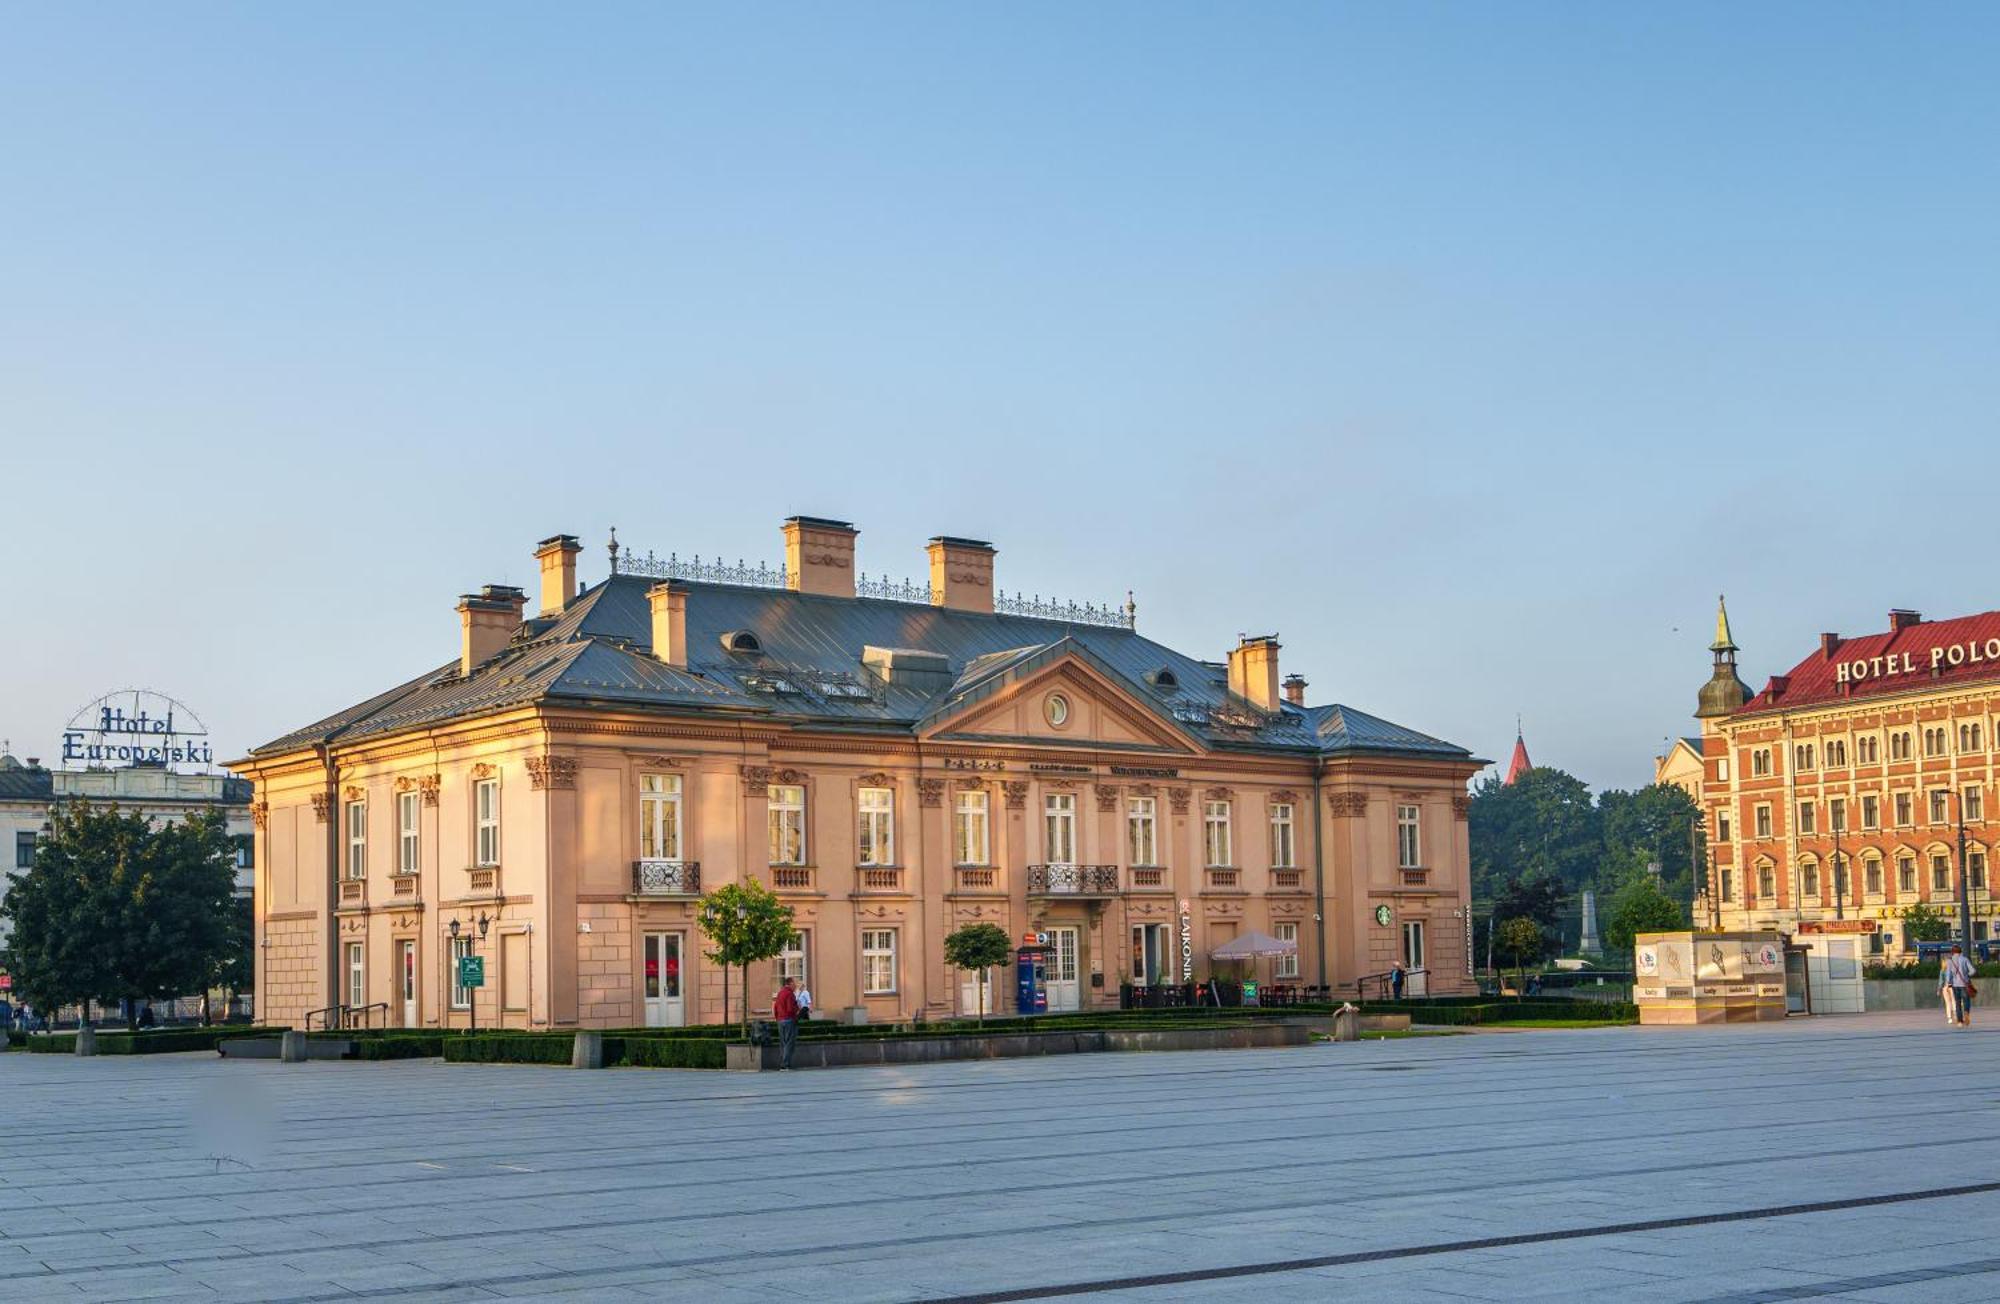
(1809, 881)
(1760, 763)
(357, 839)
(1975, 864)
(486, 821)
(1722, 769)
(1281, 836)
(1840, 878)
(1940, 872)
(787, 804)
(1939, 811)
(1871, 812)
(1767, 883)
(659, 817)
(1142, 830)
(971, 840)
(1413, 944)
(1972, 803)
(1722, 826)
(1871, 877)
(1288, 965)
(1906, 874)
(461, 997)
(878, 961)
(1836, 814)
(1728, 886)
(409, 833)
(1215, 833)
(1409, 838)
(357, 985)
(795, 961)
(1762, 821)
(1808, 818)
(875, 838)
(1059, 828)
(24, 851)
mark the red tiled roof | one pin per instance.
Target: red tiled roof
(1817, 681)
(1520, 765)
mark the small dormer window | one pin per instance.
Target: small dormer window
(1165, 680)
(742, 641)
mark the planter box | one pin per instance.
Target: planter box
(831, 1054)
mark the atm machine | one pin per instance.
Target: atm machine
(1031, 979)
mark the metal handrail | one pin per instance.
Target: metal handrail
(660, 877)
(1072, 880)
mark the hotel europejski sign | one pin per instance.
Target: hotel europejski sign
(1971, 652)
(136, 727)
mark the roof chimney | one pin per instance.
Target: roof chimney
(961, 573)
(1828, 645)
(486, 620)
(557, 555)
(1901, 618)
(669, 600)
(819, 556)
(1253, 670)
(1295, 689)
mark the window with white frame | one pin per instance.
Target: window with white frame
(660, 817)
(1836, 814)
(1059, 827)
(1903, 808)
(1409, 837)
(1727, 878)
(1142, 830)
(875, 835)
(409, 833)
(1413, 944)
(357, 839)
(1836, 753)
(1867, 750)
(1722, 769)
(1940, 872)
(1802, 756)
(1809, 880)
(1808, 818)
(1767, 883)
(878, 961)
(971, 835)
(1899, 745)
(1975, 867)
(1215, 841)
(1288, 965)
(1968, 738)
(1722, 826)
(1871, 812)
(1940, 807)
(461, 997)
(787, 805)
(1934, 741)
(1283, 852)
(357, 978)
(1760, 763)
(486, 821)
(795, 961)
(1871, 875)
(1906, 873)
(1761, 821)
(1972, 804)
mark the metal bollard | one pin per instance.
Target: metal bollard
(588, 1051)
(1346, 1023)
(86, 1040)
(292, 1048)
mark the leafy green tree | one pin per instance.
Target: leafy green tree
(1543, 826)
(1658, 824)
(1923, 924)
(235, 967)
(748, 924)
(1521, 940)
(1640, 905)
(978, 947)
(115, 907)
(1541, 899)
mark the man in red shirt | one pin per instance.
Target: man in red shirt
(785, 1009)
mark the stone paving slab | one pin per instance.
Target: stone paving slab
(426, 1181)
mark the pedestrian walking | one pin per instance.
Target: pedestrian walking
(805, 1002)
(785, 1009)
(1956, 987)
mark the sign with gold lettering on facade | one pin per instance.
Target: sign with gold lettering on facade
(1972, 652)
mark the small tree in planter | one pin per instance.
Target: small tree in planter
(747, 923)
(1521, 938)
(978, 947)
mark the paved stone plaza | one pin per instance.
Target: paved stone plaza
(1334, 1172)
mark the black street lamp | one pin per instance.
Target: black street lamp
(1964, 880)
(471, 995)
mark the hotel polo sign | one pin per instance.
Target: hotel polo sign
(1972, 652)
(135, 726)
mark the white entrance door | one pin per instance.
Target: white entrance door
(1064, 993)
(406, 967)
(968, 993)
(662, 981)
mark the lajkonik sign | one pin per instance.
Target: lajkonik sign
(136, 727)
(1950, 656)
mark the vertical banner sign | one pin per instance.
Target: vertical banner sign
(1187, 943)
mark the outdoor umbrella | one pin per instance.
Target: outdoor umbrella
(1251, 945)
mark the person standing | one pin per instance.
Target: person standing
(785, 1009)
(1955, 985)
(805, 1001)
(1396, 982)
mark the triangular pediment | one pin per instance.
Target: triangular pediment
(1096, 710)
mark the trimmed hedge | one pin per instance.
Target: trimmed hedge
(158, 1041)
(665, 1053)
(514, 1048)
(414, 1045)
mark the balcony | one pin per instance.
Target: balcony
(403, 885)
(1073, 880)
(1283, 880)
(1149, 876)
(878, 878)
(792, 878)
(482, 880)
(353, 891)
(1415, 877)
(977, 878)
(1225, 877)
(666, 878)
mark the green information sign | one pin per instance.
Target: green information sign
(471, 971)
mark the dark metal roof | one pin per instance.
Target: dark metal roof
(26, 783)
(810, 671)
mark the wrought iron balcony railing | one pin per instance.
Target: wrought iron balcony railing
(1072, 880)
(666, 878)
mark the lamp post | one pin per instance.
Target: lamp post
(742, 914)
(471, 995)
(471, 1013)
(1839, 874)
(1964, 880)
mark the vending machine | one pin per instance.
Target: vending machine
(1031, 979)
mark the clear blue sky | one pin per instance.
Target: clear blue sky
(1473, 348)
